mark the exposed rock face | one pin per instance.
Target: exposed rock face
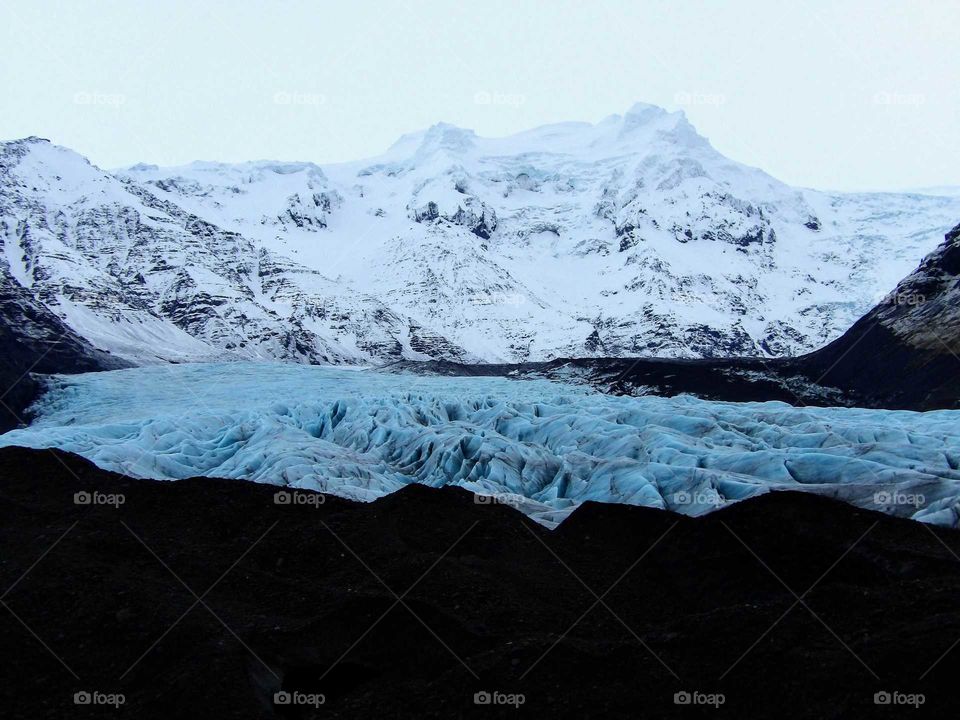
(34, 340)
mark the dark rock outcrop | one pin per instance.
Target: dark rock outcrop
(906, 351)
(35, 341)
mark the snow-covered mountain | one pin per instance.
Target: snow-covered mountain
(146, 279)
(629, 237)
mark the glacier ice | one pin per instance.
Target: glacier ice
(542, 446)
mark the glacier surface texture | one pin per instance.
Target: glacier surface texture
(544, 447)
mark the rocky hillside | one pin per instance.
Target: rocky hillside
(906, 351)
(35, 340)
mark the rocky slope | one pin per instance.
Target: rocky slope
(35, 340)
(629, 237)
(906, 350)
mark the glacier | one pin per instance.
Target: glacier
(539, 445)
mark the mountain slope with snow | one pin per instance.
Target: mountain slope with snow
(34, 340)
(629, 237)
(904, 354)
(908, 346)
(144, 278)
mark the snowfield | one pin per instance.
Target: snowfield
(542, 446)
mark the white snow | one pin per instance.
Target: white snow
(558, 193)
(543, 446)
(632, 236)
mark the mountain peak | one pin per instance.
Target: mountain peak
(441, 137)
(645, 115)
(444, 136)
(642, 118)
(645, 111)
(32, 140)
(41, 154)
(21, 147)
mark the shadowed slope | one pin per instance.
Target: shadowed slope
(303, 597)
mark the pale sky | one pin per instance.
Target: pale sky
(832, 95)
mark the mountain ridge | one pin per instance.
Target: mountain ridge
(572, 239)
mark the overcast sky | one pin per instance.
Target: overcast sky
(834, 95)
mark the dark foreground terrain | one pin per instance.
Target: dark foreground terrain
(204, 598)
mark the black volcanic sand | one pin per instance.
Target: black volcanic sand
(284, 604)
